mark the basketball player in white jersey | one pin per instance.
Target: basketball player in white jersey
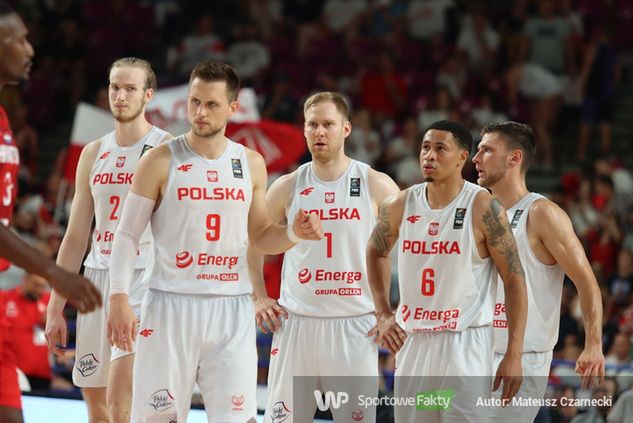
(104, 177)
(324, 292)
(451, 234)
(548, 248)
(205, 196)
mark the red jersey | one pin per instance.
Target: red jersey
(9, 166)
(26, 333)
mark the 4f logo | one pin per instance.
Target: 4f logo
(306, 191)
(330, 399)
(185, 167)
(104, 155)
(146, 332)
(414, 218)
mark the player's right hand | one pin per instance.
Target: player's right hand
(307, 226)
(388, 333)
(121, 323)
(77, 289)
(56, 333)
(268, 313)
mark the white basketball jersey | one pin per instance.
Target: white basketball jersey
(444, 284)
(544, 289)
(328, 278)
(201, 226)
(110, 181)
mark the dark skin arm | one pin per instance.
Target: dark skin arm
(77, 289)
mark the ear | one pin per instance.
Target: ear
(347, 128)
(149, 94)
(463, 156)
(234, 106)
(516, 158)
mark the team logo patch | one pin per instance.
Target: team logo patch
(280, 412)
(358, 415)
(304, 275)
(120, 161)
(406, 313)
(306, 191)
(434, 228)
(354, 187)
(458, 223)
(414, 218)
(515, 218)
(238, 401)
(161, 400)
(212, 175)
(145, 148)
(87, 365)
(329, 197)
(184, 259)
(236, 165)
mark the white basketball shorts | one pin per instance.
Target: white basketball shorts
(326, 354)
(194, 338)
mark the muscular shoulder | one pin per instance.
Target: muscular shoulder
(549, 216)
(381, 185)
(279, 191)
(92, 148)
(157, 155)
(483, 202)
(155, 163)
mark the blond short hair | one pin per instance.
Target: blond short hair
(323, 96)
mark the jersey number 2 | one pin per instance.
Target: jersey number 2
(115, 200)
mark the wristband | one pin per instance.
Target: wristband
(292, 236)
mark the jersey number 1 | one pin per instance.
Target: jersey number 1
(328, 248)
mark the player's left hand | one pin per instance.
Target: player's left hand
(307, 225)
(511, 374)
(388, 332)
(590, 367)
(121, 323)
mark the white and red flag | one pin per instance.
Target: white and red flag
(279, 143)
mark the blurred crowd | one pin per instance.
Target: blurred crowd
(402, 64)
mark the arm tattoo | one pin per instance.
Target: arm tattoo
(500, 237)
(382, 238)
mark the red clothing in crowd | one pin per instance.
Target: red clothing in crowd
(26, 319)
(375, 95)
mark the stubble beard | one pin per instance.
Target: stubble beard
(208, 134)
(126, 119)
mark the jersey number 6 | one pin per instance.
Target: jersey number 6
(428, 284)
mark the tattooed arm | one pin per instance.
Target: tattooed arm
(383, 237)
(495, 238)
